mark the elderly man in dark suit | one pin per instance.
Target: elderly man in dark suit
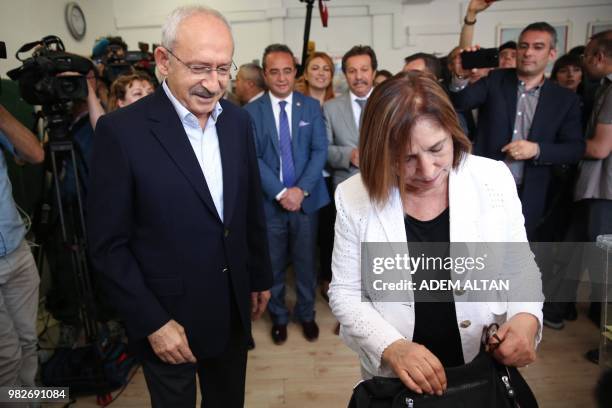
(526, 120)
(176, 219)
(291, 147)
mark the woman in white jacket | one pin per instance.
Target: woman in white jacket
(418, 182)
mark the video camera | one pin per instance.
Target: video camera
(117, 60)
(39, 83)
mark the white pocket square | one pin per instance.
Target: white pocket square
(302, 123)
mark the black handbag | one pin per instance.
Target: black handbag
(482, 383)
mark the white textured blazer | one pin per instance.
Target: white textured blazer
(484, 207)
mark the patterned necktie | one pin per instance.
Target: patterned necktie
(285, 147)
(361, 103)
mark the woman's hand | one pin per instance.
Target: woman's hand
(517, 337)
(416, 366)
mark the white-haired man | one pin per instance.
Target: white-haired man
(176, 222)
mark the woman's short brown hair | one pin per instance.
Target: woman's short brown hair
(391, 113)
(120, 86)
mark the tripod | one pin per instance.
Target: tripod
(103, 364)
(61, 148)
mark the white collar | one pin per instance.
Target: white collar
(184, 114)
(256, 96)
(275, 100)
(354, 97)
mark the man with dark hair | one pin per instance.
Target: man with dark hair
(526, 120)
(422, 61)
(291, 151)
(343, 114)
(357, 50)
(507, 55)
(250, 83)
(593, 190)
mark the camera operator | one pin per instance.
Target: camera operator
(108, 55)
(19, 277)
(94, 103)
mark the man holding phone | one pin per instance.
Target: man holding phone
(525, 120)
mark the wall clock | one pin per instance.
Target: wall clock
(75, 20)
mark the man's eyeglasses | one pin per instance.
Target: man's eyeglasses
(223, 71)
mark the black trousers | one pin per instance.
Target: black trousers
(325, 234)
(222, 378)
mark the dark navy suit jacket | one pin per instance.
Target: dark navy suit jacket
(556, 127)
(154, 233)
(309, 147)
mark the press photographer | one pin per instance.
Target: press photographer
(112, 60)
(18, 273)
(56, 80)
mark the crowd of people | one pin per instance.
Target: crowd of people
(210, 203)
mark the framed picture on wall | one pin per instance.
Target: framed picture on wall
(597, 27)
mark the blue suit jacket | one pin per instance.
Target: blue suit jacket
(556, 127)
(154, 233)
(309, 144)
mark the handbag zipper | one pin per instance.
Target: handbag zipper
(409, 402)
(509, 388)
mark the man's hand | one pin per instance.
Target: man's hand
(476, 6)
(259, 302)
(23, 140)
(521, 150)
(458, 66)
(170, 344)
(416, 366)
(292, 199)
(355, 157)
(92, 82)
(517, 337)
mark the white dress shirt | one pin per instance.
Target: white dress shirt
(205, 144)
(276, 111)
(356, 107)
(259, 95)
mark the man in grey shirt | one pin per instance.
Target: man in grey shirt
(592, 213)
(529, 122)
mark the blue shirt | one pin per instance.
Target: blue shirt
(205, 144)
(12, 229)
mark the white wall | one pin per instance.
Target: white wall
(395, 28)
(23, 21)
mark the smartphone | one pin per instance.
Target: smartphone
(482, 58)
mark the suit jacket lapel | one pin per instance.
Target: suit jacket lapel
(168, 130)
(227, 142)
(348, 115)
(509, 88)
(296, 117)
(269, 121)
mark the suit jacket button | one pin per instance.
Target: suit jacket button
(225, 270)
(226, 233)
(459, 292)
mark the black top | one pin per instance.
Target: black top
(435, 318)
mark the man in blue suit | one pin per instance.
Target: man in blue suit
(526, 120)
(176, 219)
(291, 146)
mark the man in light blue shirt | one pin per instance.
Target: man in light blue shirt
(18, 274)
